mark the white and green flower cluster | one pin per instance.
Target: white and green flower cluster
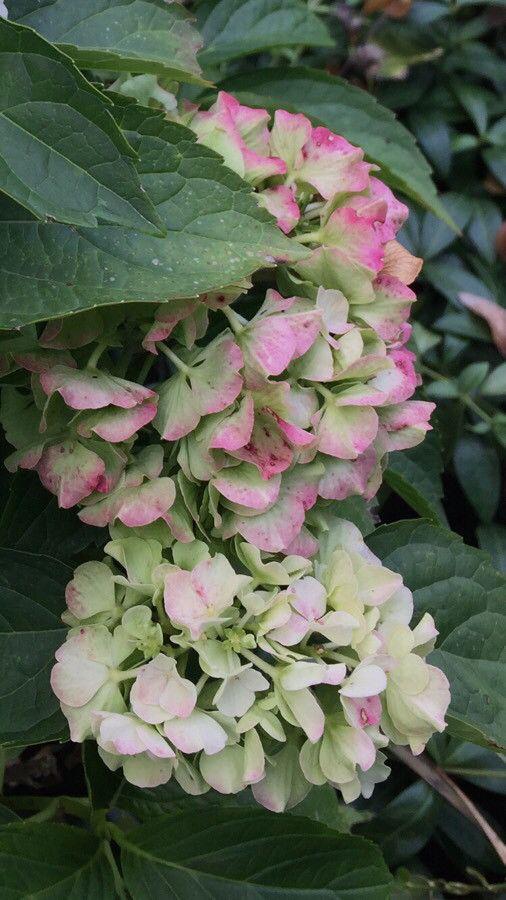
(275, 672)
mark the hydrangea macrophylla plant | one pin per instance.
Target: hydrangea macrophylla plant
(246, 670)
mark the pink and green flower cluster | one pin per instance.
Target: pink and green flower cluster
(274, 673)
(237, 634)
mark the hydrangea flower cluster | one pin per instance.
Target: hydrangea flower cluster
(237, 634)
(272, 673)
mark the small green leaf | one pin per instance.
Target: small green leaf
(495, 384)
(53, 861)
(478, 470)
(466, 597)
(351, 112)
(475, 764)
(63, 156)
(322, 805)
(102, 784)
(499, 427)
(237, 28)
(403, 826)
(148, 36)
(472, 376)
(32, 598)
(416, 476)
(492, 539)
(220, 854)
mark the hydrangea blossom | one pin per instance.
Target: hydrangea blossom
(274, 652)
(274, 673)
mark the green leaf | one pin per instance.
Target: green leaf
(217, 235)
(322, 805)
(148, 36)
(53, 861)
(494, 158)
(492, 539)
(474, 764)
(31, 520)
(472, 376)
(351, 112)
(466, 596)
(231, 853)
(63, 156)
(32, 598)
(416, 476)
(240, 27)
(7, 815)
(403, 826)
(478, 471)
(102, 784)
(495, 384)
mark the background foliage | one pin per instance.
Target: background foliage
(419, 85)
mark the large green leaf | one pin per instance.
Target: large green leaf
(51, 861)
(32, 521)
(478, 471)
(231, 854)
(217, 235)
(63, 155)
(351, 112)
(467, 598)
(239, 27)
(122, 35)
(416, 476)
(31, 601)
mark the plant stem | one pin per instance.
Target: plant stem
(463, 397)
(201, 682)
(95, 356)
(312, 237)
(118, 878)
(236, 322)
(146, 368)
(179, 364)
(259, 663)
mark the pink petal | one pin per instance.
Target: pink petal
(362, 711)
(166, 319)
(38, 361)
(147, 503)
(289, 134)
(332, 165)
(309, 598)
(267, 448)
(70, 471)
(345, 432)
(198, 732)
(91, 389)
(293, 632)
(235, 431)
(391, 308)
(279, 201)
(243, 485)
(217, 382)
(116, 425)
(344, 478)
(494, 315)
